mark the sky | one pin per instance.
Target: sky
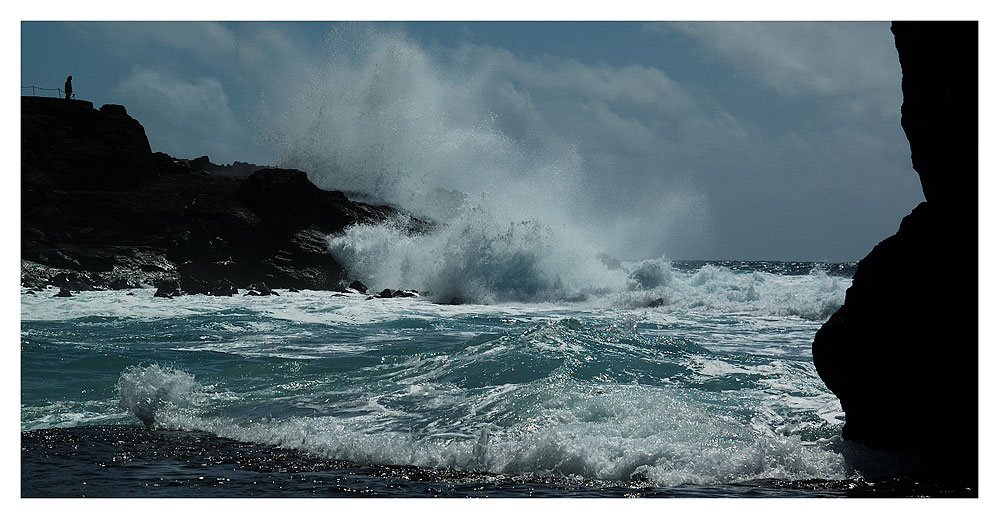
(684, 140)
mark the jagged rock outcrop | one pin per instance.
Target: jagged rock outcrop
(902, 352)
(66, 144)
(237, 169)
(101, 210)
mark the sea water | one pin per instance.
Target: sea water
(700, 385)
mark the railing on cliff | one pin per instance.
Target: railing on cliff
(34, 89)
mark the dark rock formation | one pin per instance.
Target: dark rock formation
(98, 204)
(167, 288)
(236, 169)
(69, 145)
(358, 286)
(902, 352)
(260, 289)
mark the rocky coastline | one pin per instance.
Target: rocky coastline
(902, 352)
(100, 210)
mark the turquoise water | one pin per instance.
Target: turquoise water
(714, 387)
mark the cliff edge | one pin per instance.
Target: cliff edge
(100, 210)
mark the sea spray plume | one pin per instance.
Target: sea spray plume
(146, 390)
(379, 115)
(650, 274)
(476, 258)
(384, 116)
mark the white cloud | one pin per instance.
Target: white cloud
(626, 151)
(209, 40)
(247, 52)
(554, 138)
(189, 115)
(800, 58)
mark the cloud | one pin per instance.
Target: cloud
(248, 56)
(624, 152)
(800, 58)
(186, 115)
(642, 161)
(544, 137)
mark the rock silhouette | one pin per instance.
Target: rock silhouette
(902, 352)
(97, 203)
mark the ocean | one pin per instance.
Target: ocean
(693, 380)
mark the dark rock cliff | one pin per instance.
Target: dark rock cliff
(100, 210)
(902, 352)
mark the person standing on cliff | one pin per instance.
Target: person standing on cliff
(69, 87)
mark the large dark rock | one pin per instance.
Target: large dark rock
(902, 352)
(68, 144)
(96, 201)
(168, 288)
(260, 289)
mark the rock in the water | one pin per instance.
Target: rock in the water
(64, 292)
(72, 281)
(902, 352)
(358, 286)
(405, 293)
(190, 284)
(167, 288)
(260, 289)
(656, 303)
(224, 288)
(385, 294)
(122, 283)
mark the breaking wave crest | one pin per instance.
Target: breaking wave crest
(474, 259)
(153, 393)
(477, 261)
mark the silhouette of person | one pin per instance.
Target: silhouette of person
(69, 87)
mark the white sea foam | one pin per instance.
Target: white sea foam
(476, 258)
(480, 262)
(617, 436)
(620, 433)
(721, 291)
(510, 280)
(65, 413)
(148, 391)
